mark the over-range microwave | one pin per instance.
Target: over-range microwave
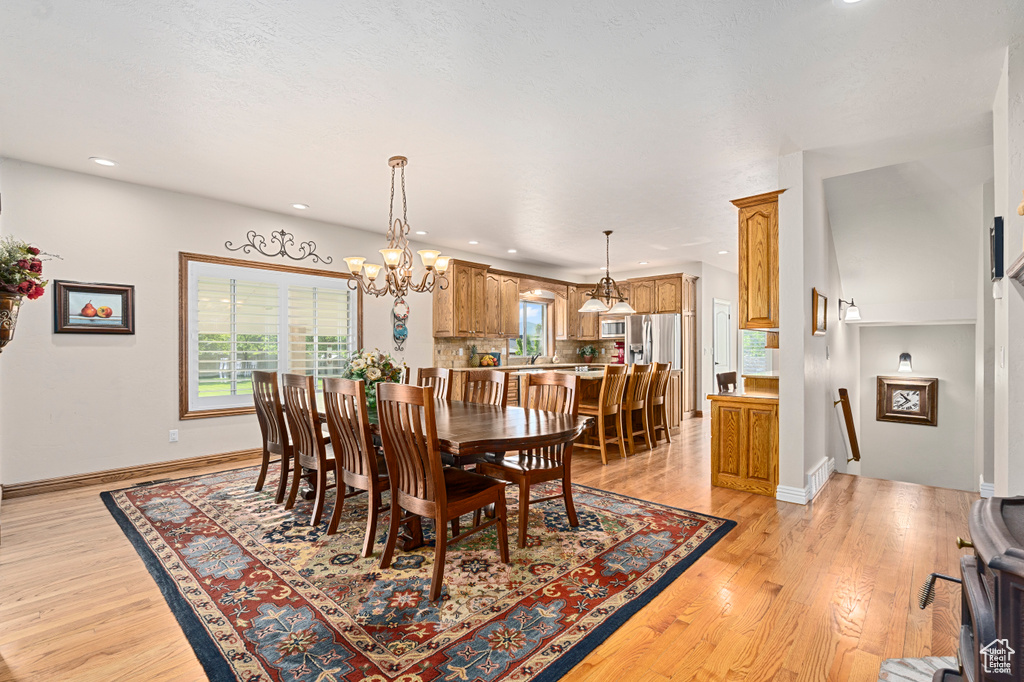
(613, 328)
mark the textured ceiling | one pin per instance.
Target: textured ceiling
(528, 125)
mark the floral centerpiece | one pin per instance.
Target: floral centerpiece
(21, 275)
(373, 367)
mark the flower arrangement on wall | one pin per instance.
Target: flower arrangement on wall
(21, 268)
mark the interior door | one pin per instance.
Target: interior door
(721, 344)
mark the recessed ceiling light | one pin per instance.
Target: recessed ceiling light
(511, 250)
(473, 242)
(421, 232)
(643, 262)
(301, 207)
(850, 2)
(603, 268)
(722, 253)
(102, 162)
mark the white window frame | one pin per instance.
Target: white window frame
(191, 268)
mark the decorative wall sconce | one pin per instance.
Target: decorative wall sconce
(852, 311)
(905, 363)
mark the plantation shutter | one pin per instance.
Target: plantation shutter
(318, 330)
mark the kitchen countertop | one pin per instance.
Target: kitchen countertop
(543, 367)
(744, 396)
(588, 374)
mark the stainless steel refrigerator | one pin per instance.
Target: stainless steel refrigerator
(654, 338)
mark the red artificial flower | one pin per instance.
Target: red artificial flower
(33, 250)
(36, 292)
(36, 266)
(23, 264)
(26, 287)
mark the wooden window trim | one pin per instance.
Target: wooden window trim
(184, 259)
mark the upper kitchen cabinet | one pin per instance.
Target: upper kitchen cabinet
(460, 310)
(493, 323)
(759, 260)
(643, 296)
(668, 295)
(581, 326)
(509, 296)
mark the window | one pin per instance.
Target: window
(243, 317)
(533, 330)
(756, 358)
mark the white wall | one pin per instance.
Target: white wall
(843, 343)
(930, 455)
(102, 402)
(984, 347)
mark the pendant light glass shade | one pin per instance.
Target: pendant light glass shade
(852, 313)
(905, 363)
(622, 308)
(594, 305)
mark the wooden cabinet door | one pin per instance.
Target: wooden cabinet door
(762, 453)
(479, 315)
(492, 305)
(674, 399)
(691, 379)
(668, 295)
(728, 443)
(759, 266)
(464, 301)
(689, 301)
(643, 296)
(590, 326)
(559, 317)
(572, 314)
(509, 307)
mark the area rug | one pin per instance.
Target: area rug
(261, 595)
(914, 669)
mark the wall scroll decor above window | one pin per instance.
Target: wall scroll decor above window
(285, 239)
(908, 401)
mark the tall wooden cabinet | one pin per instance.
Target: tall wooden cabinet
(745, 443)
(759, 260)
(509, 306)
(461, 309)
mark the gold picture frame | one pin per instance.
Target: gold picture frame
(907, 400)
(819, 313)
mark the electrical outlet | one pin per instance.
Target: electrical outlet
(173, 436)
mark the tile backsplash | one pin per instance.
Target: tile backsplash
(446, 351)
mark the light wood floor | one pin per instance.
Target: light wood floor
(822, 592)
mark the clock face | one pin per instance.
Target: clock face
(906, 401)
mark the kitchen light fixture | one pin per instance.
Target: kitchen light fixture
(102, 161)
(905, 363)
(607, 290)
(300, 207)
(398, 261)
(852, 311)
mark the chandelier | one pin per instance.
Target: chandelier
(607, 290)
(395, 277)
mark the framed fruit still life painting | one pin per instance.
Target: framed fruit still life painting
(908, 401)
(81, 308)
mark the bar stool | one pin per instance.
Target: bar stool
(607, 409)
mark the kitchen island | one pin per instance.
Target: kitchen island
(745, 441)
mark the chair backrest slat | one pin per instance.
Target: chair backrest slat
(299, 393)
(486, 387)
(659, 380)
(613, 385)
(437, 377)
(349, 425)
(639, 385)
(409, 433)
(552, 392)
(269, 411)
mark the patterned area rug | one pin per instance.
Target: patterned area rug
(261, 595)
(914, 669)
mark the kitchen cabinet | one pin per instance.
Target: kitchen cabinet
(509, 306)
(581, 326)
(460, 310)
(643, 296)
(668, 295)
(771, 340)
(745, 443)
(560, 316)
(759, 260)
(492, 313)
(689, 297)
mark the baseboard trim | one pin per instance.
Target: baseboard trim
(50, 485)
(787, 493)
(986, 489)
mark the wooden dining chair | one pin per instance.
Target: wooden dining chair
(656, 403)
(607, 409)
(486, 387)
(634, 402)
(726, 381)
(308, 444)
(550, 392)
(274, 429)
(354, 454)
(405, 374)
(437, 377)
(421, 486)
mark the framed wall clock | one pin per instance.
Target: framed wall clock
(907, 401)
(819, 312)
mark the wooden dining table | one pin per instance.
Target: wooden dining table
(468, 431)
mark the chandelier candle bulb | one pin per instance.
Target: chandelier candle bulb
(372, 270)
(429, 257)
(441, 264)
(355, 264)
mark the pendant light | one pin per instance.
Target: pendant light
(607, 290)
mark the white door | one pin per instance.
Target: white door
(721, 345)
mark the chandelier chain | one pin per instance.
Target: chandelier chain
(391, 205)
